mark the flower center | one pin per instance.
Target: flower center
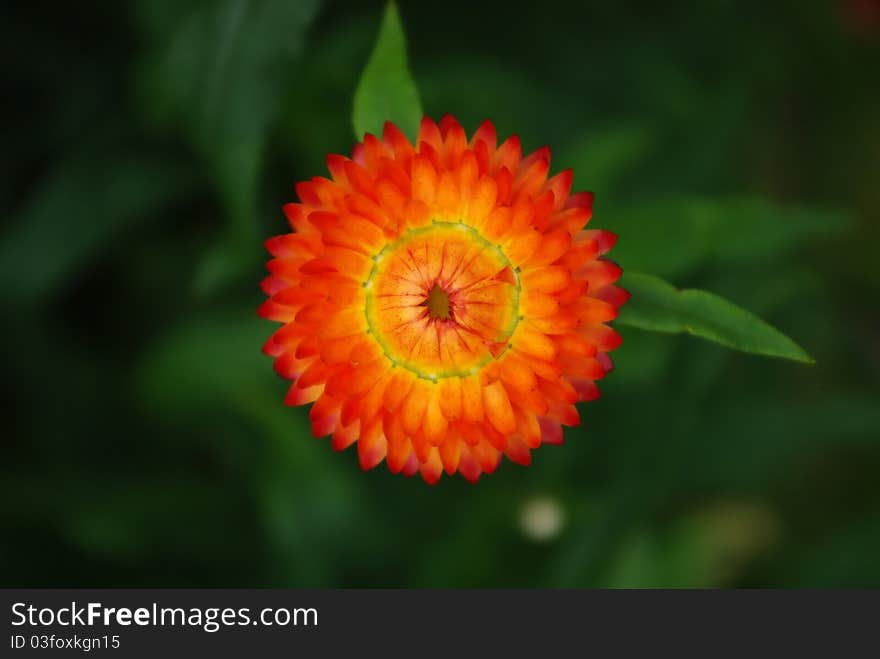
(438, 304)
(442, 301)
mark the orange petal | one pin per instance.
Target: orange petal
(487, 456)
(413, 410)
(450, 453)
(450, 398)
(530, 401)
(498, 409)
(430, 133)
(532, 342)
(507, 155)
(399, 447)
(586, 389)
(424, 179)
(346, 322)
(560, 323)
(551, 431)
(324, 415)
(299, 396)
(398, 388)
(434, 424)
(547, 279)
(469, 466)
(471, 399)
(446, 198)
(371, 404)
(345, 436)
(485, 133)
(553, 246)
(528, 428)
(397, 140)
(518, 452)
(520, 247)
(432, 468)
(372, 445)
(516, 373)
(602, 336)
(560, 186)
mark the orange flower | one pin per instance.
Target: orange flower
(441, 304)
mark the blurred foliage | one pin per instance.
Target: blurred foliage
(725, 232)
(734, 148)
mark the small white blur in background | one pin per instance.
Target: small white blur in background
(541, 518)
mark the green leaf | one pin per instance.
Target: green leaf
(660, 307)
(386, 91)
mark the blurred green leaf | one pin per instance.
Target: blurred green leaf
(675, 236)
(386, 91)
(475, 89)
(222, 74)
(343, 44)
(657, 306)
(772, 436)
(223, 261)
(644, 359)
(846, 558)
(207, 361)
(133, 523)
(706, 548)
(301, 528)
(76, 211)
(601, 158)
(221, 71)
(214, 365)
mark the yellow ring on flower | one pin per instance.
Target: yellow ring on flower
(479, 289)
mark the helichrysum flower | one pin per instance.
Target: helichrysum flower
(442, 304)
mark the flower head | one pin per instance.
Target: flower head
(442, 304)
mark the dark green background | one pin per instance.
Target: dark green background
(148, 147)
